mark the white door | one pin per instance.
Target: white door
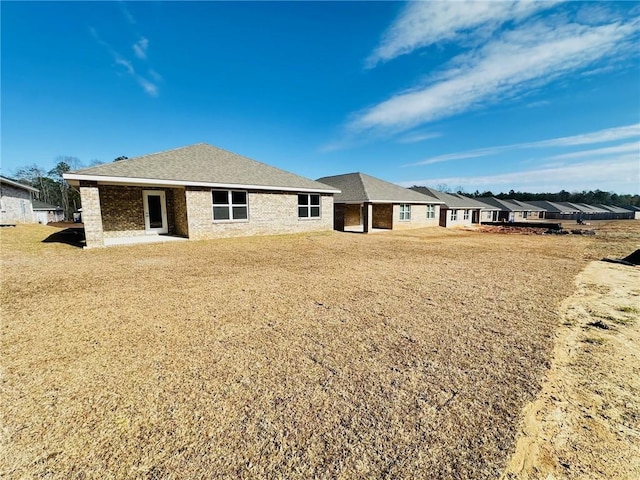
(155, 211)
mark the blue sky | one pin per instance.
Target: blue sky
(531, 96)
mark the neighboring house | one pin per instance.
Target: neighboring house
(366, 202)
(557, 210)
(16, 202)
(590, 212)
(635, 211)
(198, 192)
(457, 210)
(511, 210)
(46, 213)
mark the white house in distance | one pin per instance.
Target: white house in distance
(457, 210)
(16, 204)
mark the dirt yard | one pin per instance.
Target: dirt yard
(408, 355)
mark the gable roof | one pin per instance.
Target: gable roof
(510, 205)
(614, 208)
(17, 184)
(452, 200)
(555, 207)
(198, 165)
(359, 188)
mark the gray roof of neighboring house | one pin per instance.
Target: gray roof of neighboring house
(359, 188)
(452, 200)
(556, 207)
(38, 205)
(198, 165)
(15, 183)
(510, 205)
(586, 208)
(633, 208)
(614, 208)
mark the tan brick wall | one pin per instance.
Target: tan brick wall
(460, 221)
(15, 205)
(352, 215)
(382, 215)
(123, 210)
(269, 213)
(91, 214)
(418, 217)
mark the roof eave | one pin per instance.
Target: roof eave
(75, 178)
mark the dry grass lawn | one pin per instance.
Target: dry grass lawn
(392, 355)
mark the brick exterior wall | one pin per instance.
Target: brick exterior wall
(15, 205)
(91, 214)
(269, 213)
(123, 210)
(382, 215)
(445, 218)
(418, 217)
(352, 215)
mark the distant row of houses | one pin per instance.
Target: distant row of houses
(201, 191)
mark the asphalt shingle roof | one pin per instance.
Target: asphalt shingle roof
(555, 207)
(15, 183)
(360, 187)
(452, 200)
(201, 164)
(510, 205)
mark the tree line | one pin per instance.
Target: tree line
(591, 197)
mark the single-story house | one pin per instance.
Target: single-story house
(617, 213)
(16, 202)
(198, 192)
(366, 202)
(511, 210)
(557, 210)
(590, 212)
(634, 209)
(457, 210)
(46, 213)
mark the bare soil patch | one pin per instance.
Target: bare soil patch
(586, 421)
(332, 355)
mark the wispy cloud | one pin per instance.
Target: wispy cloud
(601, 136)
(632, 147)
(527, 58)
(126, 13)
(416, 137)
(140, 48)
(148, 84)
(424, 23)
(619, 173)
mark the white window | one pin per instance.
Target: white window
(454, 215)
(405, 211)
(465, 215)
(525, 214)
(431, 211)
(308, 205)
(229, 205)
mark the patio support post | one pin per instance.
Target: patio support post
(367, 221)
(91, 214)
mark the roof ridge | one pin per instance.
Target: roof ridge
(364, 186)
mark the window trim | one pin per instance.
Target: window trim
(405, 212)
(465, 214)
(454, 215)
(431, 212)
(229, 205)
(309, 206)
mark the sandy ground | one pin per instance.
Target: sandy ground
(585, 423)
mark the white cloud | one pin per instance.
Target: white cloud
(601, 136)
(632, 147)
(621, 174)
(140, 48)
(147, 85)
(528, 57)
(424, 23)
(416, 137)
